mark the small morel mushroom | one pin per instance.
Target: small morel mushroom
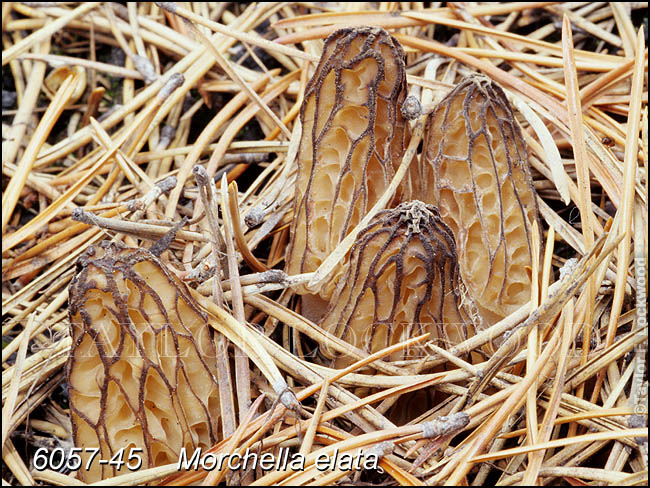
(475, 170)
(353, 139)
(141, 372)
(402, 280)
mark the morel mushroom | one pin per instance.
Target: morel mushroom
(141, 372)
(353, 139)
(475, 170)
(402, 280)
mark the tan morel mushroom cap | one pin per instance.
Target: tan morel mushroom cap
(475, 170)
(353, 139)
(141, 372)
(402, 281)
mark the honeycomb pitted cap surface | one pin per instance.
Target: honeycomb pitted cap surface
(142, 370)
(475, 170)
(353, 139)
(402, 281)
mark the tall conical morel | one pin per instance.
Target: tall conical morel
(402, 280)
(141, 372)
(353, 139)
(475, 170)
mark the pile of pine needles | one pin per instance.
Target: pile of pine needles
(91, 122)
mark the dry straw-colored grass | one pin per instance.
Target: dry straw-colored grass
(563, 400)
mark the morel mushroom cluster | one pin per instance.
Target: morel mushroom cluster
(353, 139)
(397, 282)
(402, 280)
(142, 369)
